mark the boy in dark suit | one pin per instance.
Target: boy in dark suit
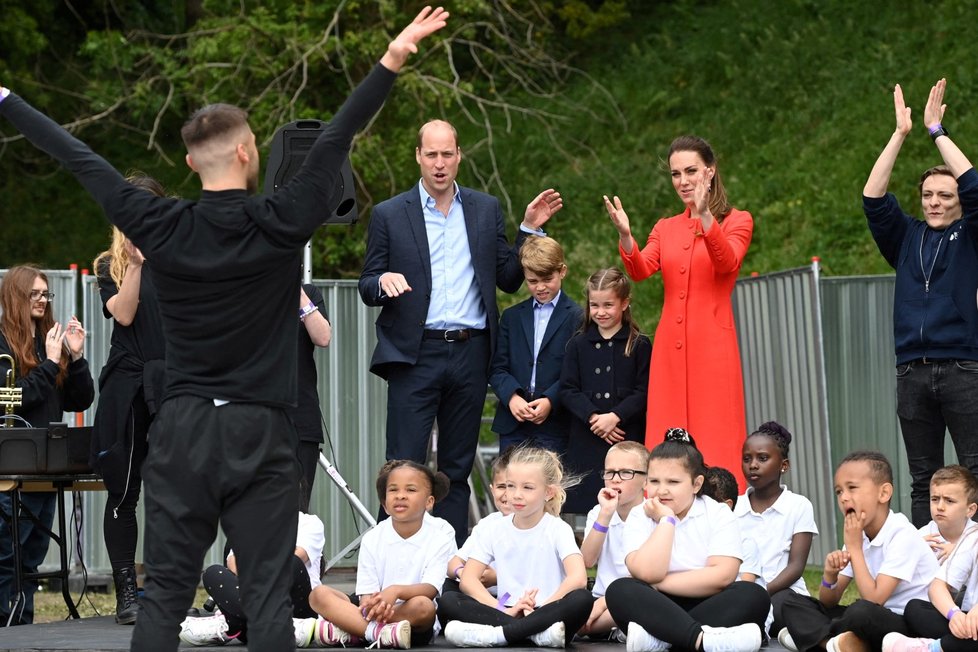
(533, 335)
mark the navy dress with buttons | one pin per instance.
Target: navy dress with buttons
(597, 377)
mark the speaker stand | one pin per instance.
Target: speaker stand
(358, 506)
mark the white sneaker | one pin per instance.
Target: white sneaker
(393, 635)
(846, 642)
(462, 634)
(552, 636)
(639, 640)
(788, 643)
(329, 635)
(305, 630)
(617, 635)
(742, 638)
(206, 630)
(896, 642)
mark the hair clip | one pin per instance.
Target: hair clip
(678, 434)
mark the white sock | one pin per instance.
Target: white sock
(500, 638)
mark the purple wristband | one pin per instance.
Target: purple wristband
(458, 570)
(827, 585)
(501, 603)
(671, 519)
(933, 130)
(950, 612)
(600, 528)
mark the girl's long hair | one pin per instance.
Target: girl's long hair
(16, 321)
(615, 280)
(116, 256)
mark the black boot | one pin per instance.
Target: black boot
(126, 606)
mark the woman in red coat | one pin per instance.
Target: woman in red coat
(695, 380)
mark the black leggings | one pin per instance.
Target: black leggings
(923, 619)
(678, 620)
(573, 609)
(222, 585)
(119, 527)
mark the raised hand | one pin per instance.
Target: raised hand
(54, 341)
(542, 208)
(902, 111)
(618, 217)
(608, 500)
(404, 44)
(74, 337)
(135, 255)
(934, 110)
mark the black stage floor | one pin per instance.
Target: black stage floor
(103, 635)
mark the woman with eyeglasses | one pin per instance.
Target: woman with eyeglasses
(54, 377)
(130, 388)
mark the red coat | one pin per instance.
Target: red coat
(695, 380)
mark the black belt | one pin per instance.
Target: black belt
(458, 335)
(933, 360)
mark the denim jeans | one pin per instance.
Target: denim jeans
(34, 546)
(932, 398)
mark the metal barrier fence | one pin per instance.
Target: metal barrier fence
(817, 356)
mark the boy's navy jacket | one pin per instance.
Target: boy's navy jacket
(512, 362)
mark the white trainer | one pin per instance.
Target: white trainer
(788, 643)
(305, 631)
(462, 634)
(329, 635)
(639, 640)
(394, 635)
(742, 638)
(897, 642)
(206, 630)
(552, 636)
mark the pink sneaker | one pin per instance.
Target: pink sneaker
(896, 642)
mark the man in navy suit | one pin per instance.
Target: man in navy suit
(533, 335)
(435, 255)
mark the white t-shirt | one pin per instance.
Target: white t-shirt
(898, 551)
(960, 569)
(311, 537)
(709, 529)
(773, 529)
(466, 549)
(611, 559)
(386, 558)
(525, 559)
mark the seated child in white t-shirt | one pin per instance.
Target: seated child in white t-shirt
(625, 466)
(953, 496)
(721, 485)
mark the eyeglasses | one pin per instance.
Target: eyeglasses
(624, 474)
(37, 294)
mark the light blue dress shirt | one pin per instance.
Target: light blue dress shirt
(455, 300)
(541, 318)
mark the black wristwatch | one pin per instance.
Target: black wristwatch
(939, 131)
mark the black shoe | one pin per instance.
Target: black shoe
(126, 605)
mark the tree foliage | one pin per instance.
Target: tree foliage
(128, 73)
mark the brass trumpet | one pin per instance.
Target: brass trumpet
(11, 396)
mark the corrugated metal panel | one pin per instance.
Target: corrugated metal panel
(784, 379)
(857, 312)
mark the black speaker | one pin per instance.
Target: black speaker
(290, 146)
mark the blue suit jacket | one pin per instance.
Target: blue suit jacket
(512, 363)
(397, 242)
